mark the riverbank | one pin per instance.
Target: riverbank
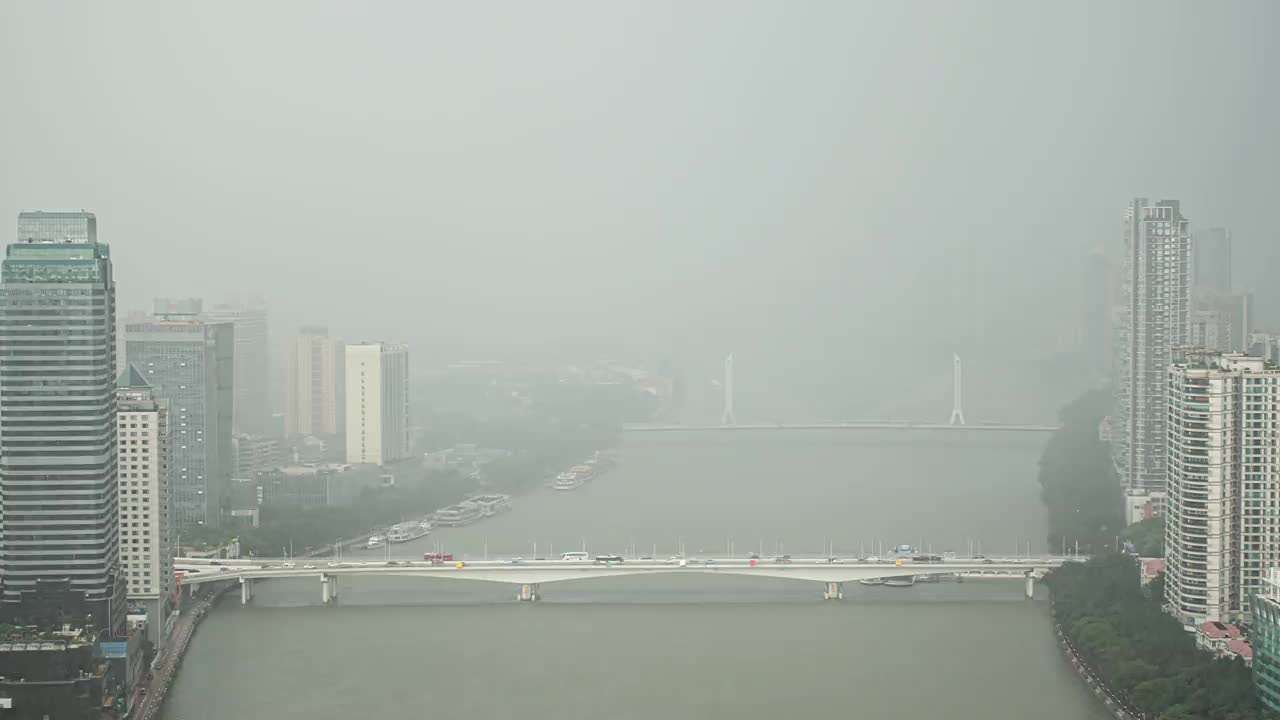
(1090, 678)
(152, 696)
(1137, 657)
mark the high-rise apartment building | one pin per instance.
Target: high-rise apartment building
(58, 515)
(189, 363)
(316, 384)
(377, 402)
(1154, 319)
(252, 365)
(146, 505)
(1224, 476)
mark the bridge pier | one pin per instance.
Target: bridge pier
(1031, 586)
(529, 592)
(835, 591)
(328, 588)
(246, 590)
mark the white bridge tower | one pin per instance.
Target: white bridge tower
(727, 418)
(957, 392)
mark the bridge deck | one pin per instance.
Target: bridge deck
(536, 572)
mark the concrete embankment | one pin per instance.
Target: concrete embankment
(1095, 683)
(148, 706)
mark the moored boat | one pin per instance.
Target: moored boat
(492, 504)
(404, 532)
(464, 513)
(567, 481)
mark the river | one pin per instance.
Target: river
(688, 646)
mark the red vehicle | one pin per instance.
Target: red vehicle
(437, 557)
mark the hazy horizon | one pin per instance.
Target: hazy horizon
(654, 179)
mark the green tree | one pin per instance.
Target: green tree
(1154, 695)
(1147, 536)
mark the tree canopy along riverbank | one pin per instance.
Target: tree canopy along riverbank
(1144, 655)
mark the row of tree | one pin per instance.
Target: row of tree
(1144, 655)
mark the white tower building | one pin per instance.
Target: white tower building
(377, 398)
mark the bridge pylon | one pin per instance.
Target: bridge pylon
(727, 417)
(957, 391)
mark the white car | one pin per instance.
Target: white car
(288, 565)
(308, 567)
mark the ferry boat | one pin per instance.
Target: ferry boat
(585, 473)
(567, 481)
(404, 532)
(464, 513)
(492, 504)
(375, 542)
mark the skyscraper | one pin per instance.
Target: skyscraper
(377, 402)
(189, 363)
(146, 504)
(1212, 260)
(1155, 291)
(252, 381)
(1224, 475)
(57, 421)
(316, 384)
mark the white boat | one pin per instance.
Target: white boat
(901, 581)
(464, 513)
(492, 504)
(404, 532)
(567, 481)
(871, 581)
(375, 542)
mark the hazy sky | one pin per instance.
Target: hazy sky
(490, 178)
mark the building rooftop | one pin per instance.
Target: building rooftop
(132, 378)
(1241, 648)
(1219, 631)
